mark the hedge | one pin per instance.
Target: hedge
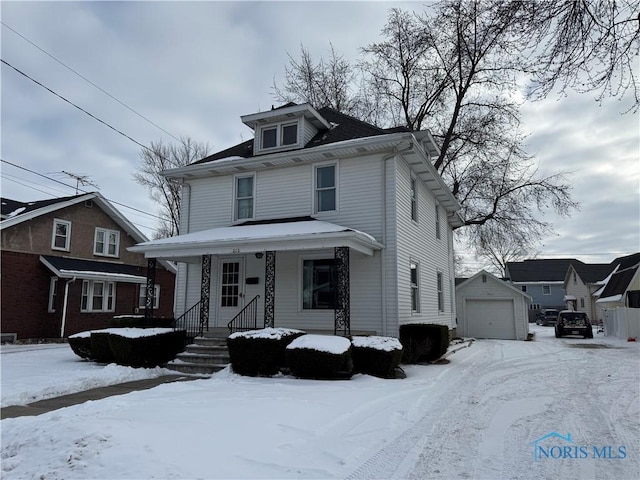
(147, 351)
(423, 342)
(307, 357)
(139, 321)
(377, 356)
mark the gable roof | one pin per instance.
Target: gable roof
(591, 272)
(617, 285)
(497, 281)
(42, 207)
(540, 270)
(626, 262)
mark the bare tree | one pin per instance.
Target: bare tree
(156, 159)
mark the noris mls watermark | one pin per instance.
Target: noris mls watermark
(554, 446)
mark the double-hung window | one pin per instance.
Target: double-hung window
(107, 242)
(546, 289)
(414, 200)
(319, 284)
(415, 288)
(142, 298)
(440, 292)
(61, 238)
(98, 296)
(244, 189)
(325, 188)
(437, 222)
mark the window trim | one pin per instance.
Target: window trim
(108, 296)
(53, 295)
(142, 295)
(105, 243)
(547, 287)
(315, 186)
(440, 291)
(235, 197)
(67, 243)
(279, 128)
(414, 287)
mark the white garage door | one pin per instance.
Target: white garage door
(491, 319)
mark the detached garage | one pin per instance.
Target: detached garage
(491, 308)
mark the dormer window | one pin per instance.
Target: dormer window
(279, 135)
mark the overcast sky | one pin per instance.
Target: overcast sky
(193, 68)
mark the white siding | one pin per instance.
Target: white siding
(283, 192)
(211, 203)
(417, 241)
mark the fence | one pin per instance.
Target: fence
(622, 322)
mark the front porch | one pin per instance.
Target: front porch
(304, 266)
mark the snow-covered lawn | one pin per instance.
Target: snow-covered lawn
(477, 416)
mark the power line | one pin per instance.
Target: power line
(79, 189)
(74, 105)
(90, 82)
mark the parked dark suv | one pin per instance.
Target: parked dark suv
(547, 316)
(573, 323)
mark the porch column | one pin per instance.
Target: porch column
(205, 289)
(150, 288)
(342, 322)
(269, 288)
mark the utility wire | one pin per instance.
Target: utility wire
(76, 106)
(73, 187)
(92, 83)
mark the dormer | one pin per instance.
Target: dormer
(285, 128)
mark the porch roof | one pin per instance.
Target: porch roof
(63, 267)
(253, 237)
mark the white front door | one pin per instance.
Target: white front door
(231, 289)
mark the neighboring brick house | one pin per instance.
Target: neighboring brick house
(66, 267)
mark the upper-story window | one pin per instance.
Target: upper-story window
(244, 191)
(279, 135)
(414, 200)
(524, 288)
(107, 242)
(437, 222)
(325, 190)
(61, 238)
(546, 290)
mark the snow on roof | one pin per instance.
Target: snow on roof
(321, 343)
(386, 344)
(268, 333)
(18, 211)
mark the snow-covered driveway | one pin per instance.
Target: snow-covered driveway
(479, 416)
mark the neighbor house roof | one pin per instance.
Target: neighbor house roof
(592, 272)
(64, 267)
(626, 262)
(617, 285)
(540, 270)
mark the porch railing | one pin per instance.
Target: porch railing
(190, 321)
(247, 319)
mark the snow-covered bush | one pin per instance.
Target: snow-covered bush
(139, 321)
(320, 357)
(260, 352)
(100, 349)
(423, 341)
(80, 343)
(377, 356)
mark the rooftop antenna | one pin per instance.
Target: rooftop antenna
(81, 180)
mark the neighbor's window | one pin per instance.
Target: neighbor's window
(98, 296)
(143, 295)
(107, 242)
(53, 288)
(415, 288)
(440, 292)
(414, 200)
(61, 238)
(325, 188)
(318, 284)
(437, 222)
(582, 302)
(524, 288)
(546, 290)
(244, 197)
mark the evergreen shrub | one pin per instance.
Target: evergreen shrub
(147, 351)
(81, 346)
(100, 348)
(316, 363)
(377, 356)
(423, 342)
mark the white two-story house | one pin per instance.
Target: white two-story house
(320, 222)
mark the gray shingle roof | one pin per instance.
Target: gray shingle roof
(541, 270)
(9, 205)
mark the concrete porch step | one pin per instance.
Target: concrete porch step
(205, 356)
(194, 368)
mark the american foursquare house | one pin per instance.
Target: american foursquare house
(320, 222)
